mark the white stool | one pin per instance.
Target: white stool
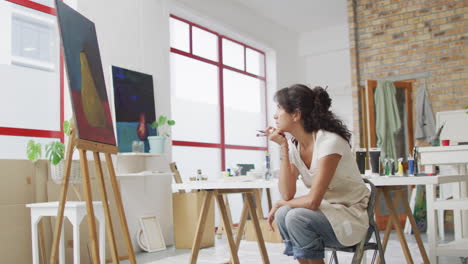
(75, 211)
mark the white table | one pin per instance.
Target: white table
(218, 189)
(75, 212)
(447, 155)
(430, 182)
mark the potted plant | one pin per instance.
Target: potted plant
(55, 154)
(157, 142)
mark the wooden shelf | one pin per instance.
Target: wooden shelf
(443, 155)
(137, 154)
(416, 180)
(453, 204)
(458, 248)
(143, 174)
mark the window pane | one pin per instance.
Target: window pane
(194, 100)
(32, 39)
(240, 156)
(189, 159)
(233, 54)
(244, 109)
(180, 36)
(205, 44)
(255, 62)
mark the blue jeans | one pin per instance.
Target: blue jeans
(305, 232)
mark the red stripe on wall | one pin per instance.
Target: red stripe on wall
(24, 132)
(195, 144)
(35, 6)
(214, 145)
(245, 147)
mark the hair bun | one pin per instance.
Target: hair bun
(322, 99)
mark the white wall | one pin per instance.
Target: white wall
(31, 102)
(326, 60)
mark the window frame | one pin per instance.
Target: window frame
(26, 132)
(222, 145)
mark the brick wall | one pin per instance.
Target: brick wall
(424, 40)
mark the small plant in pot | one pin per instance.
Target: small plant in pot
(55, 154)
(161, 125)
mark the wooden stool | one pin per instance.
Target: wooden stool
(75, 211)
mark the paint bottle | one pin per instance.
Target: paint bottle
(392, 167)
(267, 166)
(411, 166)
(400, 167)
(386, 167)
(416, 161)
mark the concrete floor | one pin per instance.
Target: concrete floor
(249, 254)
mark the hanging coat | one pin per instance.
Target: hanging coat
(425, 124)
(387, 118)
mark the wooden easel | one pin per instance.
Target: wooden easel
(96, 148)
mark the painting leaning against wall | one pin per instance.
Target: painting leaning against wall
(134, 107)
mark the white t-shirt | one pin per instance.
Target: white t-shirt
(345, 201)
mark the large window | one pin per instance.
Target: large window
(31, 101)
(218, 99)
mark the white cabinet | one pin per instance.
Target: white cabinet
(447, 155)
(145, 185)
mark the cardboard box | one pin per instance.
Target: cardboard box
(15, 238)
(268, 236)
(21, 183)
(187, 208)
(16, 178)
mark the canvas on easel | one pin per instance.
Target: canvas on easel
(87, 87)
(92, 130)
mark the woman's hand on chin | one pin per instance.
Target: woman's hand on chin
(276, 135)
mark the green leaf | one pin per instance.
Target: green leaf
(55, 152)
(154, 125)
(33, 150)
(162, 120)
(66, 127)
(171, 122)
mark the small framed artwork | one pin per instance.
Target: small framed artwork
(150, 237)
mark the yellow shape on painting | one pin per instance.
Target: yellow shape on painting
(92, 104)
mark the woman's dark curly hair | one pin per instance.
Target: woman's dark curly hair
(314, 106)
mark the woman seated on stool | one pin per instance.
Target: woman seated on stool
(333, 213)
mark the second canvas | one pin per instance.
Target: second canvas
(134, 107)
